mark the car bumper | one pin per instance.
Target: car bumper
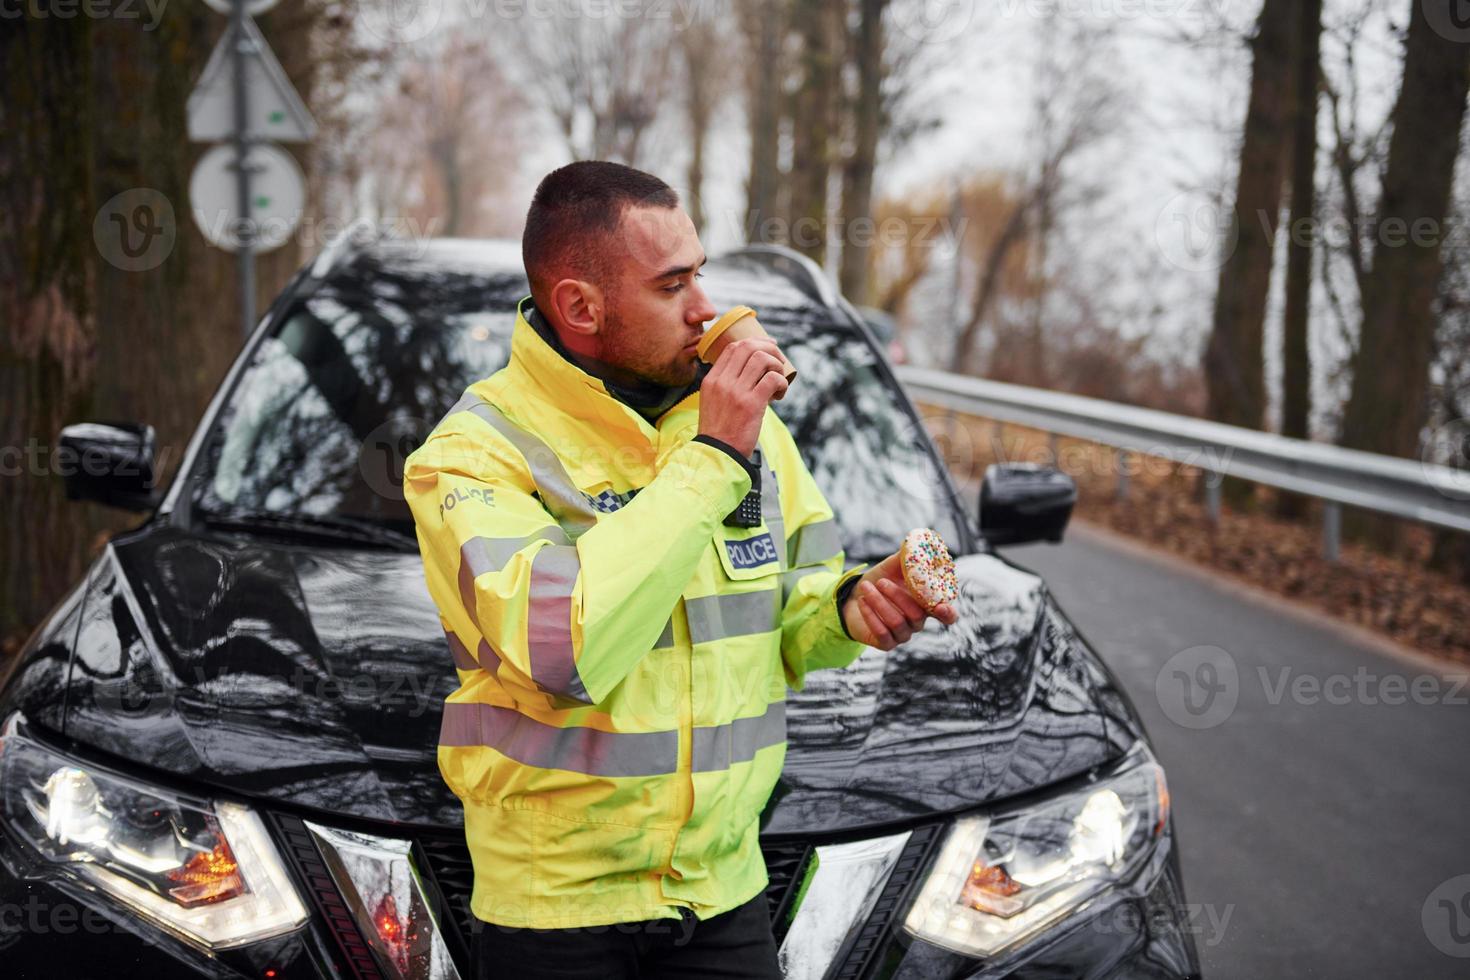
(51, 927)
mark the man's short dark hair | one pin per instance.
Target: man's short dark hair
(575, 209)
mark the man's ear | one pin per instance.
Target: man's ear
(578, 306)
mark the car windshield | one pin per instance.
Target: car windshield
(358, 373)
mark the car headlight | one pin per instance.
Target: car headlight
(1003, 877)
(203, 871)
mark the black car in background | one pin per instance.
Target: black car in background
(218, 751)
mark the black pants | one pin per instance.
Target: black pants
(735, 945)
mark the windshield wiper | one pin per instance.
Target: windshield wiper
(334, 527)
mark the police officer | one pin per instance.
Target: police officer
(624, 629)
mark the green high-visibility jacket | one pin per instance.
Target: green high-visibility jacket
(623, 655)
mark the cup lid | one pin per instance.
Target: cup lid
(726, 319)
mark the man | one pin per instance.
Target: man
(623, 629)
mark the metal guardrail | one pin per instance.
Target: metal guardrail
(1424, 492)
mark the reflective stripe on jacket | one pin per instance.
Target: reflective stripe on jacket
(623, 656)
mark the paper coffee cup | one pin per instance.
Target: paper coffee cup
(737, 323)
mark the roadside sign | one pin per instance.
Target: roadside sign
(277, 196)
(275, 111)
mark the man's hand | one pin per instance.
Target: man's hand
(881, 612)
(734, 395)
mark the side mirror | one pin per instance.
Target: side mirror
(109, 462)
(1022, 502)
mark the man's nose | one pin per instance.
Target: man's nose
(702, 309)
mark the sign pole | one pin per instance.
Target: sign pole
(242, 171)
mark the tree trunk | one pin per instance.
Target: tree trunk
(94, 116)
(46, 303)
(764, 26)
(699, 48)
(857, 173)
(988, 285)
(1389, 399)
(1391, 368)
(1296, 368)
(812, 130)
(1233, 362)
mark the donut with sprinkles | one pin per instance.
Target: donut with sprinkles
(928, 569)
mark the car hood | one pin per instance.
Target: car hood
(315, 677)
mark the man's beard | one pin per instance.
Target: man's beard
(615, 330)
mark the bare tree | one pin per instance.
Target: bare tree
(819, 29)
(95, 166)
(763, 26)
(857, 171)
(1234, 358)
(451, 110)
(1387, 407)
(1296, 367)
(601, 83)
(1076, 105)
(1449, 417)
(1356, 152)
(705, 76)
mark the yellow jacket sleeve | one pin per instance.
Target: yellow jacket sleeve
(812, 635)
(567, 619)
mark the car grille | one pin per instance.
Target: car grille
(448, 863)
(444, 862)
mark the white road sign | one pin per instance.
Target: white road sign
(277, 196)
(276, 112)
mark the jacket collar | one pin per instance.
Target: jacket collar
(540, 360)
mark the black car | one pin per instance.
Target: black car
(218, 751)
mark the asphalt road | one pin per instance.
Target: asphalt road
(1324, 818)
